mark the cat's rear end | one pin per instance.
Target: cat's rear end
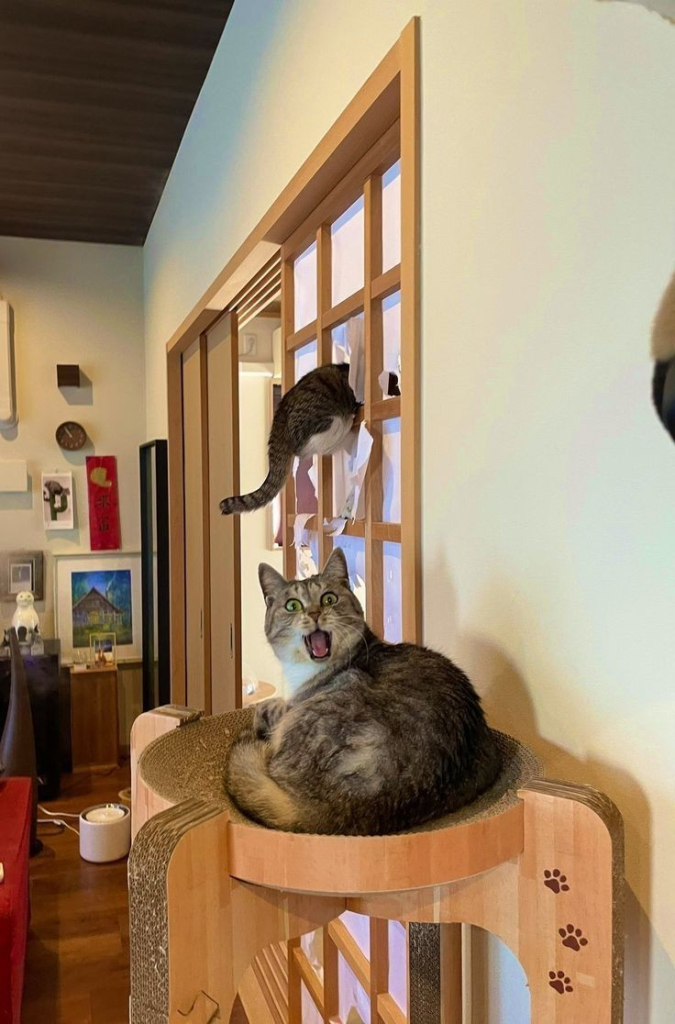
(313, 418)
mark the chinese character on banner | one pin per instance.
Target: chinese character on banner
(104, 516)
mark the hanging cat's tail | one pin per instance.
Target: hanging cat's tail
(280, 465)
(254, 792)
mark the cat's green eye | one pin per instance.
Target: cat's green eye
(293, 605)
(329, 599)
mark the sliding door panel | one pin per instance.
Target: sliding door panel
(224, 531)
(194, 476)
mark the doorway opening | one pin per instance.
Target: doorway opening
(261, 535)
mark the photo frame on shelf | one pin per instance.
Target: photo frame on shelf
(102, 650)
(98, 593)
(21, 570)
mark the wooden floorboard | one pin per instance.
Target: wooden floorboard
(77, 963)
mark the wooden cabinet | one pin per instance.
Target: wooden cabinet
(94, 718)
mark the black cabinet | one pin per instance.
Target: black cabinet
(42, 674)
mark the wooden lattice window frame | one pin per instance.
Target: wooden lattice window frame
(365, 179)
(399, 142)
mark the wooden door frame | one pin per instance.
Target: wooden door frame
(389, 94)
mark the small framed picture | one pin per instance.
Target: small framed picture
(57, 501)
(19, 571)
(20, 577)
(102, 650)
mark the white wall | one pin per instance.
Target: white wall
(73, 303)
(549, 182)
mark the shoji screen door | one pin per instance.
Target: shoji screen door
(341, 301)
(343, 291)
(210, 417)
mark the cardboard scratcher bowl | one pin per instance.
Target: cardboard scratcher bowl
(189, 763)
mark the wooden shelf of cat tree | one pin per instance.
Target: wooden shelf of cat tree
(94, 724)
(534, 861)
(263, 692)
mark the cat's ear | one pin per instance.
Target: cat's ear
(336, 567)
(271, 581)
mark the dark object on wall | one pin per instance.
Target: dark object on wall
(43, 678)
(663, 394)
(68, 375)
(17, 745)
(21, 570)
(155, 574)
(663, 354)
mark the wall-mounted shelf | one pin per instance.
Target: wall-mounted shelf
(68, 375)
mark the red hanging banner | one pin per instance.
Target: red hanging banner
(104, 513)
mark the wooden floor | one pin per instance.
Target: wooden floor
(77, 964)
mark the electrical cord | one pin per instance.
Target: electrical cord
(56, 818)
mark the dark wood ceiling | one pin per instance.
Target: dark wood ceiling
(94, 99)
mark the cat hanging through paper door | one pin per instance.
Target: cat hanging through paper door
(314, 418)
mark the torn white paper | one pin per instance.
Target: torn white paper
(303, 552)
(313, 474)
(356, 466)
(348, 347)
(306, 564)
(299, 532)
(334, 527)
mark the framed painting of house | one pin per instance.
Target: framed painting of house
(99, 593)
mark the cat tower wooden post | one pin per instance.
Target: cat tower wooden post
(536, 862)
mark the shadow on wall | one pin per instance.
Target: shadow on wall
(82, 395)
(509, 708)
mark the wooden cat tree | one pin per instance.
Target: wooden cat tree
(536, 862)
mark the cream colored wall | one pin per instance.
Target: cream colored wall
(73, 303)
(548, 144)
(548, 536)
(254, 424)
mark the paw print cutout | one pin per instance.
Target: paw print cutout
(560, 982)
(572, 937)
(555, 881)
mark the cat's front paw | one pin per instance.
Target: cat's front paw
(267, 715)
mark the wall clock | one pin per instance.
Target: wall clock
(71, 436)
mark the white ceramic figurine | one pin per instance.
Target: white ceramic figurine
(25, 614)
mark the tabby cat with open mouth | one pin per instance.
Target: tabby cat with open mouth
(375, 737)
